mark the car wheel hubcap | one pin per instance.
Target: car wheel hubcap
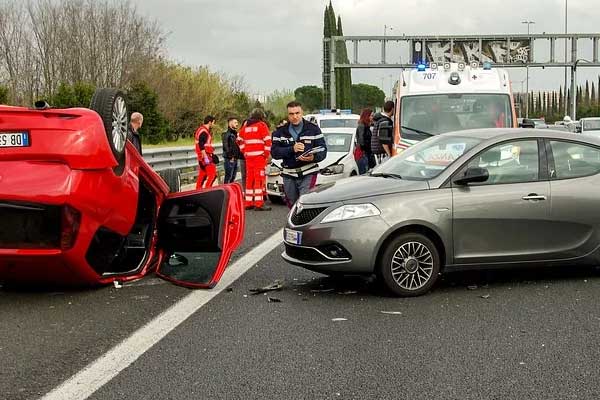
(119, 124)
(412, 265)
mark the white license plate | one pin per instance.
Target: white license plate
(292, 237)
(14, 139)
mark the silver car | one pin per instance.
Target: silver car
(471, 199)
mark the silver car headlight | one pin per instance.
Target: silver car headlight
(333, 169)
(351, 211)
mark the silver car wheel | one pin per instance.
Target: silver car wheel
(412, 265)
(119, 124)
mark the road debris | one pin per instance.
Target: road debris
(322, 290)
(391, 312)
(229, 290)
(275, 286)
(485, 296)
(273, 300)
(348, 292)
(472, 287)
(117, 284)
(339, 319)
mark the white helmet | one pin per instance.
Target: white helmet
(567, 119)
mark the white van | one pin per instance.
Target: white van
(451, 97)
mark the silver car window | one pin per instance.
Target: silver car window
(510, 162)
(573, 160)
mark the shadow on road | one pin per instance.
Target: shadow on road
(454, 281)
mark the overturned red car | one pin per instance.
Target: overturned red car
(80, 206)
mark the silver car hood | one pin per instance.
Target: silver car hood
(358, 187)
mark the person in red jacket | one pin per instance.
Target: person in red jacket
(255, 145)
(205, 152)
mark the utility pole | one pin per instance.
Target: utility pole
(527, 97)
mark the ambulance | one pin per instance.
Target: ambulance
(437, 98)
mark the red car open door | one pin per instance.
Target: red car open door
(198, 231)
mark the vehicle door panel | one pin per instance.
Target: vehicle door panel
(574, 184)
(198, 231)
(498, 221)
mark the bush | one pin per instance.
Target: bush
(142, 99)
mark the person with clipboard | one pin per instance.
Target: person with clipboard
(301, 146)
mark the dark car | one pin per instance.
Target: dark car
(80, 206)
(462, 200)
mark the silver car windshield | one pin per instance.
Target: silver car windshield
(427, 159)
(338, 142)
(441, 113)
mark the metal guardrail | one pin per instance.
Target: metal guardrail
(183, 159)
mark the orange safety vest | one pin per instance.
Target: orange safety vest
(255, 140)
(208, 146)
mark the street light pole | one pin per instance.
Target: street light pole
(527, 96)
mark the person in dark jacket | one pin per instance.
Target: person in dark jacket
(231, 150)
(290, 142)
(135, 123)
(383, 132)
(363, 139)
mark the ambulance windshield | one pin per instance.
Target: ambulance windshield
(439, 113)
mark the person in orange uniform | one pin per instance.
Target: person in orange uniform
(255, 144)
(205, 152)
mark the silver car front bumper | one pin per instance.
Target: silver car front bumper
(347, 247)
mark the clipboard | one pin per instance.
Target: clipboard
(314, 150)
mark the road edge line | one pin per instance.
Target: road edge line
(101, 371)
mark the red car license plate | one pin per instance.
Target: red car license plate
(14, 139)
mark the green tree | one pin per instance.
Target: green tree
(364, 96)
(3, 95)
(75, 95)
(140, 98)
(275, 105)
(310, 96)
(344, 76)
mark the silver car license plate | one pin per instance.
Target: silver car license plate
(292, 237)
(14, 139)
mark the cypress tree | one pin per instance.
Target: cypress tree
(345, 100)
(561, 100)
(586, 98)
(327, 62)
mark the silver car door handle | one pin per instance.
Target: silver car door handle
(534, 197)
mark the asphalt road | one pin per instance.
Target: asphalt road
(495, 335)
(48, 335)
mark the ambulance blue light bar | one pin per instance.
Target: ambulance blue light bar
(334, 111)
(487, 65)
(421, 67)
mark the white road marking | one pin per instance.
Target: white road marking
(83, 384)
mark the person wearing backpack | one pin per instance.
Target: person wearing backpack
(383, 132)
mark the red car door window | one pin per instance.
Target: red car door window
(199, 231)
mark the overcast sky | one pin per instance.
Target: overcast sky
(277, 44)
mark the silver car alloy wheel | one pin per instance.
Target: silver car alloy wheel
(119, 124)
(412, 265)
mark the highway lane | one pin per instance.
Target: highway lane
(506, 335)
(49, 335)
